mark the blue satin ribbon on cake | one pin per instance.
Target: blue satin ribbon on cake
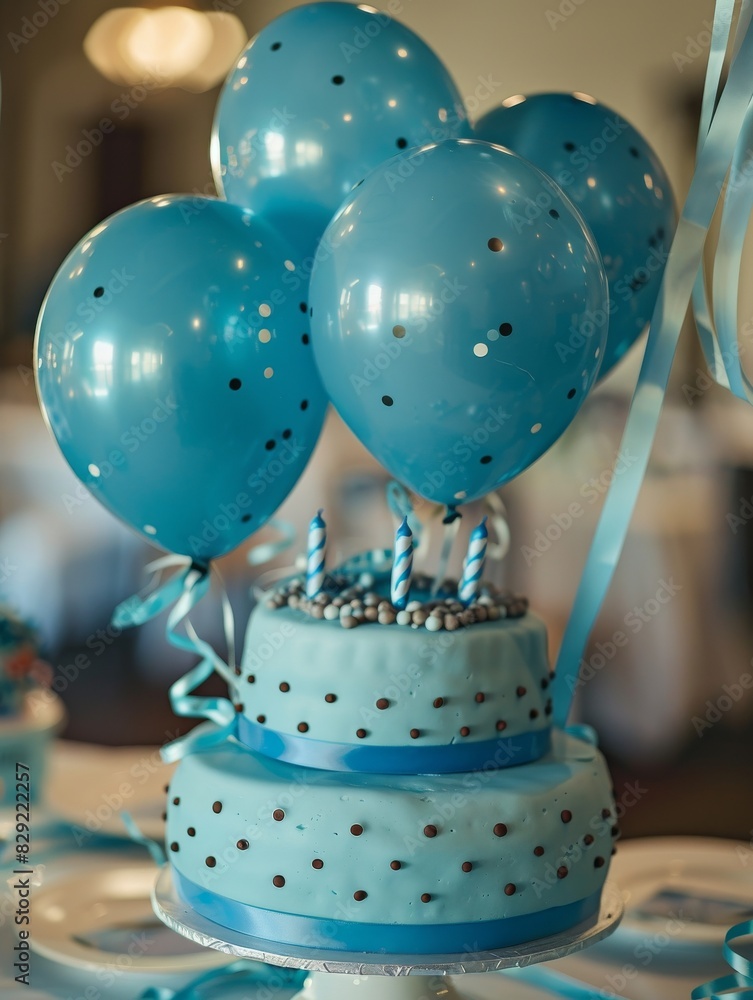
(396, 939)
(725, 140)
(742, 976)
(442, 759)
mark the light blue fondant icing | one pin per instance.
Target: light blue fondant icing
(492, 678)
(537, 838)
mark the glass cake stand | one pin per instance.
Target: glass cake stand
(414, 977)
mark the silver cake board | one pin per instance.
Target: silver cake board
(414, 975)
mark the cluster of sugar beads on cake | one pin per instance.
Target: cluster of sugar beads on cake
(355, 602)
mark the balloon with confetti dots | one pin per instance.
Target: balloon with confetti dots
(177, 374)
(606, 167)
(320, 96)
(442, 317)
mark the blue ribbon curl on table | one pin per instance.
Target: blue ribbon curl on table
(725, 139)
(742, 976)
(235, 975)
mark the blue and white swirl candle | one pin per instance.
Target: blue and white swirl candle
(317, 548)
(473, 566)
(402, 566)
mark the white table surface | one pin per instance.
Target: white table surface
(86, 780)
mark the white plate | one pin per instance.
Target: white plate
(88, 787)
(689, 889)
(100, 917)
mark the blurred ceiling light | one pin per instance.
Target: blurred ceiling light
(167, 43)
(102, 47)
(169, 47)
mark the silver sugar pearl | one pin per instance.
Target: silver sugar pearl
(331, 612)
(346, 611)
(434, 624)
(404, 618)
(414, 606)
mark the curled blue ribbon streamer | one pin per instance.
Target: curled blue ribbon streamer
(742, 976)
(559, 984)
(183, 591)
(237, 974)
(679, 279)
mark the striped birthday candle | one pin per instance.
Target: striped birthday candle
(402, 566)
(473, 566)
(317, 547)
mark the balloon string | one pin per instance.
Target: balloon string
(450, 534)
(498, 517)
(267, 551)
(135, 834)
(677, 284)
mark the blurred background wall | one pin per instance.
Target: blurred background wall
(65, 562)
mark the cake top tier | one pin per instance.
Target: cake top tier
(437, 687)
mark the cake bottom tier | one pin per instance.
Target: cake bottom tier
(400, 863)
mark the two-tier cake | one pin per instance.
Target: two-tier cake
(394, 786)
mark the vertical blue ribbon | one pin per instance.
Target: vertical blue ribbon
(724, 143)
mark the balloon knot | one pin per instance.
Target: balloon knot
(452, 514)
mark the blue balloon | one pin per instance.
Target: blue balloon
(176, 372)
(442, 316)
(323, 94)
(616, 181)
